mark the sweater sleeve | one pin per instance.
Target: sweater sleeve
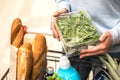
(116, 33)
(63, 4)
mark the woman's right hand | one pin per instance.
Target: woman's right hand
(53, 22)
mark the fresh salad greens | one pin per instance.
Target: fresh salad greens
(77, 29)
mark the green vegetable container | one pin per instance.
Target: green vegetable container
(76, 32)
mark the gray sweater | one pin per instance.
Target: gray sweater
(104, 13)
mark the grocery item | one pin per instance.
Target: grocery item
(24, 62)
(50, 72)
(16, 41)
(17, 33)
(39, 49)
(76, 32)
(66, 71)
(54, 77)
(30, 58)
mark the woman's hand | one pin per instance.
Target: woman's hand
(53, 22)
(106, 41)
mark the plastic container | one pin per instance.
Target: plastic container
(76, 32)
(66, 71)
(50, 72)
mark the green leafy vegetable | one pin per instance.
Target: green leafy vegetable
(54, 77)
(77, 29)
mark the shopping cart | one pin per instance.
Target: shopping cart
(54, 59)
(50, 58)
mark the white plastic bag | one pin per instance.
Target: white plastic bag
(13, 63)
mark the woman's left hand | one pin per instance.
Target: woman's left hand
(106, 41)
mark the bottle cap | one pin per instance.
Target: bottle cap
(50, 70)
(64, 62)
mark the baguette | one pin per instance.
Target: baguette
(15, 28)
(39, 49)
(17, 33)
(24, 62)
(38, 70)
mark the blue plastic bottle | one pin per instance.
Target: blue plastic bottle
(66, 71)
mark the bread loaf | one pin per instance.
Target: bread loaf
(31, 58)
(15, 27)
(24, 62)
(38, 70)
(17, 33)
(39, 49)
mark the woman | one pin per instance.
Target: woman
(105, 15)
